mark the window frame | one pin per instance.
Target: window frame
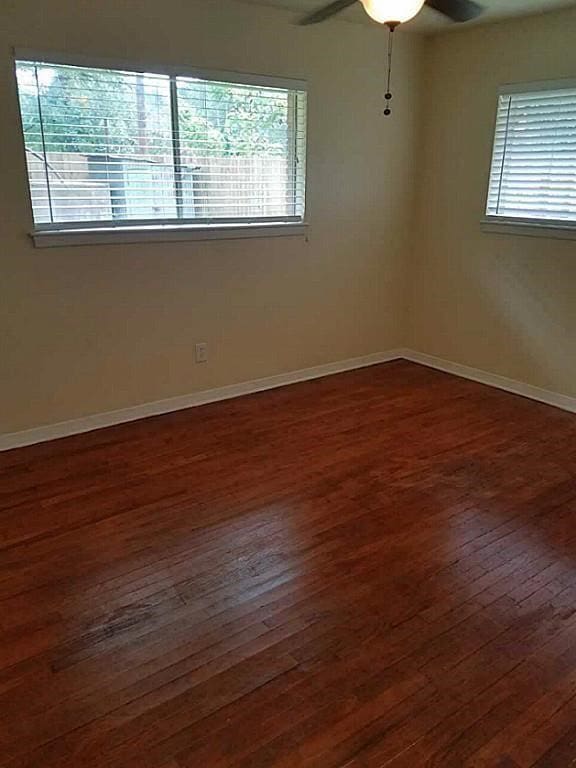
(524, 225)
(160, 230)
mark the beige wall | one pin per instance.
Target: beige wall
(91, 329)
(502, 303)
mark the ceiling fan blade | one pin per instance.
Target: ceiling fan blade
(457, 10)
(325, 12)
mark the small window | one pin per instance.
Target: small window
(116, 148)
(533, 172)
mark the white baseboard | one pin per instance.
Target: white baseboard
(99, 420)
(564, 402)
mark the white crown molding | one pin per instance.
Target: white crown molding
(99, 420)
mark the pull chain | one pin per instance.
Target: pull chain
(391, 27)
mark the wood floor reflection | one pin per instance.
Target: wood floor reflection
(373, 569)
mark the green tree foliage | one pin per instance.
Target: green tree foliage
(94, 111)
(82, 110)
(238, 120)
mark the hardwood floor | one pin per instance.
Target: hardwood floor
(372, 569)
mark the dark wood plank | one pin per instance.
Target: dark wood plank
(375, 568)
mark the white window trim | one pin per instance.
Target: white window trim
(52, 236)
(55, 238)
(517, 225)
(559, 230)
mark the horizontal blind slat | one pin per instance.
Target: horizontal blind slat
(101, 145)
(533, 168)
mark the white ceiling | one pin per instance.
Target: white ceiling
(428, 20)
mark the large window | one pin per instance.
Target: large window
(533, 173)
(111, 148)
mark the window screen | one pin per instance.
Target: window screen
(112, 148)
(533, 173)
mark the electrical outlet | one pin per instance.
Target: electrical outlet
(201, 352)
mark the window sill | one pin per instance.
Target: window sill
(530, 228)
(161, 234)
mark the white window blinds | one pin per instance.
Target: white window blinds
(113, 148)
(533, 172)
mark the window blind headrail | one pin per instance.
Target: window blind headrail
(282, 82)
(537, 87)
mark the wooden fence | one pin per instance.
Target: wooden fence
(91, 187)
